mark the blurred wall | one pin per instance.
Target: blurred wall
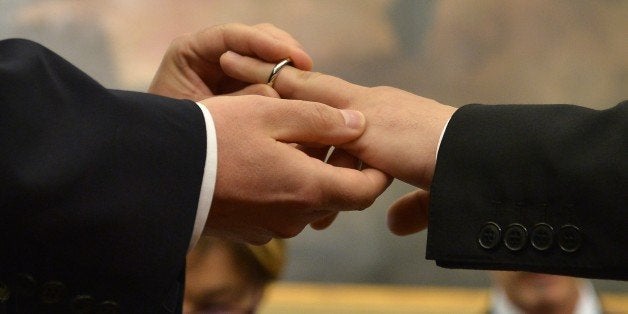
(457, 52)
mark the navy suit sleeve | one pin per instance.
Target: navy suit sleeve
(535, 188)
(98, 188)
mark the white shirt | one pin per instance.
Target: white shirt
(209, 178)
(588, 302)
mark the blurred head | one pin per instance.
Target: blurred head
(228, 277)
(539, 293)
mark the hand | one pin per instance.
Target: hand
(265, 186)
(402, 135)
(408, 214)
(190, 68)
(403, 129)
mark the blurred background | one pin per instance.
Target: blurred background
(457, 52)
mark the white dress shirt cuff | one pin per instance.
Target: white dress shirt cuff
(441, 137)
(209, 178)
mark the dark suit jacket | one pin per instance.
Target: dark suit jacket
(98, 189)
(536, 188)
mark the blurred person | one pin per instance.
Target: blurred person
(534, 293)
(104, 191)
(223, 276)
(514, 187)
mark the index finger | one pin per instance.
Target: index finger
(212, 42)
(291, 82)
(281, 35)
(336, 188)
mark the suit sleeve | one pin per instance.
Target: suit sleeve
(534, 188)
(99, 188)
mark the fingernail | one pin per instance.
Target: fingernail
(353, 119)
(228, 53)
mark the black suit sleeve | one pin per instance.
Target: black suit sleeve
(98, 188)
(536, 188)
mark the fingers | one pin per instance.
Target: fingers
(336, 188)
(256, 89)
(190, 68)
(290, 121)
(303, 62)
(278, 33)
(409, 214)
(246, 69)
(266, 43)
(319, 153)
(291, 82)
(270, 183)
(307, 122)
(324, 222)
(338, 158)
(341, 158)
(297, 84)
(295, 121)
(348, 189)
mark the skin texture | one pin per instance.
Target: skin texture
(270, 181)
(191, 68)
(400, 127)
(266, 187)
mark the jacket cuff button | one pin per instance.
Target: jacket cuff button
(489, 236)
(515, 237)
(569, 238)
(542, 236)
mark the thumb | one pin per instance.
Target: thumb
(409, 214)
(298, 121)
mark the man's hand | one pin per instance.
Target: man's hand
(190, 68)
(402, 134)
(403, 129)
(266, 187)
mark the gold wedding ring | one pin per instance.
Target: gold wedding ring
(276, 69)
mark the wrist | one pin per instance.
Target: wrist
(440, 127)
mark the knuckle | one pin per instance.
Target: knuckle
(309, 196)
(182, 40)
(289, 232)
(298, 81)
(225, 26)
(301, 80)
(181, 48)
(357, 198)
(307, 76)
(223, 30)
(318, 119)
(365, 202)
(323, 115)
